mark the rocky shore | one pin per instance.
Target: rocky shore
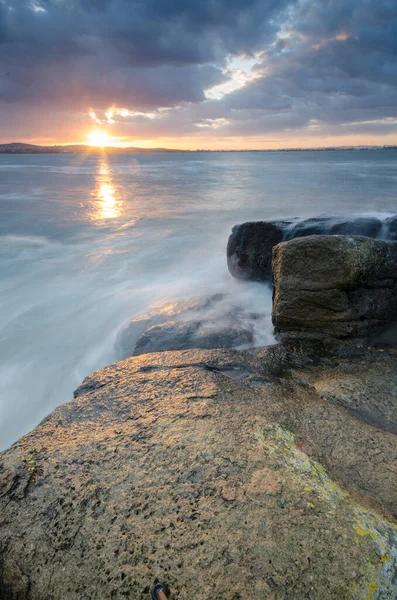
(256, 473)
(249, 249)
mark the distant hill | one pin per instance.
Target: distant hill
(21, 148)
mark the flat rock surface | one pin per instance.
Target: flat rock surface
(228, 475)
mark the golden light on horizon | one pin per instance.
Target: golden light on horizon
(99, 138)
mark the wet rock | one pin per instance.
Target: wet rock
(184, 335)
(270, 483)
(213, 322)
(366, 226)
(249, 250)
(387, 337)
(391, 224)
(128, 336)
(334, 286)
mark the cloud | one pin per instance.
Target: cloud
(244, 68)
(332, 63)
(121, 48)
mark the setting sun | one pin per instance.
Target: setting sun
(99, 138)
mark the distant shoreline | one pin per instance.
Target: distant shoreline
(22, 148)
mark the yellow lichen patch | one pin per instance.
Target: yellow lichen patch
(377, 576)
(311, 472)
(283, 435)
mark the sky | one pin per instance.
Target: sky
(210, 74)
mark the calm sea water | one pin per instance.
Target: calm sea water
(88, 243)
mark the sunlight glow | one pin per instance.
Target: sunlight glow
(239, 71)
(106, 201)
(99, 138)
(341, 37)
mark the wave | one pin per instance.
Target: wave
(29, 240)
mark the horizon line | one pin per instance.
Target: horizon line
(96, 148)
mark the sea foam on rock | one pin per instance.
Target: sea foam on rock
(392, 227)
(249, 249)
(213, 322)
(192, 334)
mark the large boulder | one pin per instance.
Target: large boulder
(249, 249)
(224, 474)
(335, 286)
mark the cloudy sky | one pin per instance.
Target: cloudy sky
(199, 73)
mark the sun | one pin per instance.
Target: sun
(99, 138)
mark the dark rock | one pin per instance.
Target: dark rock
(225, 474)
(391, 224)
(306, 227)
(128, 336)
(334, 286)
(183, 335)
(249, 250)
(215, 322)
(366, 226)
(386, 337)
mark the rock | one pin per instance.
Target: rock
(184, 335)
(334, 286)
(366, 226)
(305, 227)
(249, 250)
(225, 474)
(128, 336)
(387, 337)
(391, 223)
(214, 322)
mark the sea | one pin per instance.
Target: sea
(90, 242)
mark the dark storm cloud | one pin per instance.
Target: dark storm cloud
(321, 63)
(334, 62)
(96, 51)
(2, 23)
(179, 31)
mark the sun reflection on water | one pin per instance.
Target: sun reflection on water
(107, 204)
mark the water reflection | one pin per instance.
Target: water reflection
(107, 203)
